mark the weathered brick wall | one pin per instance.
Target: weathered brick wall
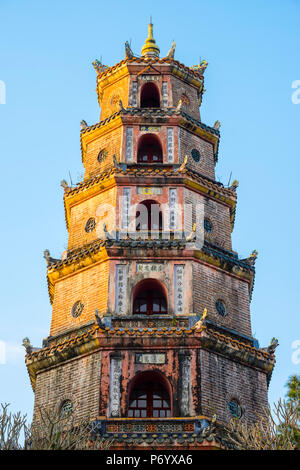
(206, 164)
(210, 285)
(78, 380)
(223, 380)
(188, 94)
(90, 286)
(215, 212)
(110, 142)
(112, 93)
(101, 207)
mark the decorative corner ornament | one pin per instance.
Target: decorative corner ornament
(118, 165)
(98, 320)
(272, 346)
(200, 67)
(27, 345)
(178, 107)
(48, 258)
(99, 67)
(64, 185)
(201, 322)
(234, 186)
(191, 236)
(170, 54)
(83, 124)
(182, 166)
(106, 232)
(128, 51)
(121, 106)
(217, 125)
(253, 256)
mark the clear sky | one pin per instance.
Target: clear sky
(46, 51)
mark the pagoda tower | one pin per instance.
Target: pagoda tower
(151, 329)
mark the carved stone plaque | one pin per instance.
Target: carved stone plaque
(145, 358)
(149, 128)
(149, 267)
(148, 191)
(115, 386)
(179, 288)
(185, 383)
(121, 287)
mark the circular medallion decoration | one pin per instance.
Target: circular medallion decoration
(90, 225)
(195, 155)
(221, 309)
(66, 408)
(77, 309)
(115, 100)
(185, 99)
(102, 155)
(235, 409)
(207, 226)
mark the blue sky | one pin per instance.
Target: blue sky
(47, 48)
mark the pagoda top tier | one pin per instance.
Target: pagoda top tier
(123, 81)
(149, 53)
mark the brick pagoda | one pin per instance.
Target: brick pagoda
(151, 330)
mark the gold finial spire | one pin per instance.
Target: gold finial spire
(150, 48)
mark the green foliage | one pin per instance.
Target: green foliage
(293, 385)
(293, 396)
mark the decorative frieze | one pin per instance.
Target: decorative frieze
(179, 288)
(146, 426)
(129, 144)
(121, 287)
(115, 386)
(152, 322)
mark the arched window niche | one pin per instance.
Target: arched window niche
(149, 219)
(149, 298)
(149, 149)
(150, 396)
(150, 96)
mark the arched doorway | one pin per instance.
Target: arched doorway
(150, 396)
(149, 149)
(150, 96)
(149, 298)
(149, 217)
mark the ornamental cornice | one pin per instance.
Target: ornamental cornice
(103, 249)
(175, 67)
(98, 339)
(208, 133)
(110, 177)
